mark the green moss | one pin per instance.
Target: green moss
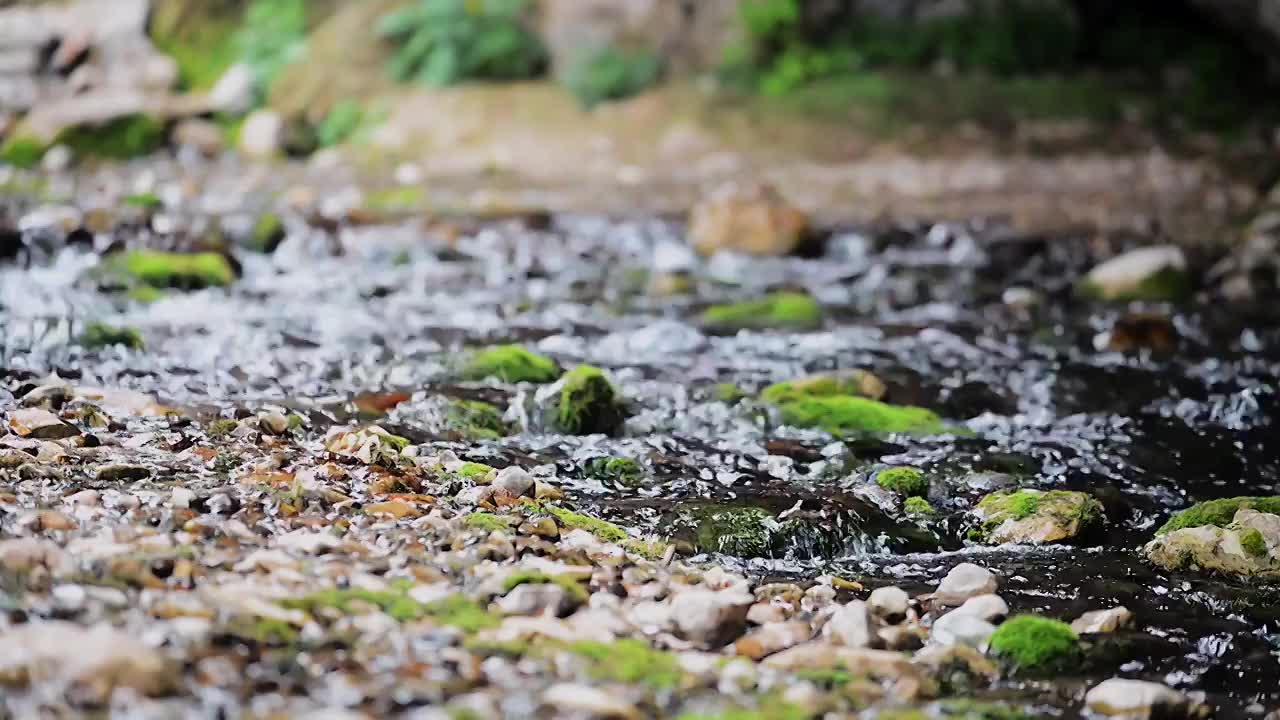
(1169, 284)
(144, 294)
(1253, 542)
(340, 123)
(589, 403)
(1035, 643)
(612, 74)
(462, 613)
(477, 420)
(487, 522)
(263, 631)
(826, 677)
(397, 442)
(842, 415)
(454, 611)
(1068, 507)
(624, 471)
(570, 584)
(727, 393)
(158, 269)
(970, 709)
(781, 311)
(602, 529)
(511, 363)
(741, 531)
(629, 661)
(1219, 512)
(1012, 504)
(918, 507)
(119, 139)
(651, 549)
(145, 201)
(22, 151)
(905, 481)
(903, 714)
(267, 233)
(855, 383)
(100, 335)
(473, 471)
(197, 35)
(404, 198)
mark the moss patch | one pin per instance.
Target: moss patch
(22, 151)
(1219, 512)
(144, 201)
(473, 471)
(589, 403)
(779, 311)
(1068, 511)
(570, 584)
(268, 231)
(221, 427)
(918, 507)
(629, 661)
(624, 471)
(511, 363)
(1035, 643)
(487, 522)
(120, 139)
(842, 415)
(1253, 542)
(454, 611)
(100, 335)
(741, 531)
(1168, 284)
(156, 269)
(905, 481)
(476, 419)
(857, 383)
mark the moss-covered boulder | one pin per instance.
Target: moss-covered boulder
(842, 415)
(1034, 517)
(1035, 644)
(776, 311)
(475, 419)
(511, 363)
(905, 481)
(588, 403)
(854, 383)
(1204, 539)
(157, 269)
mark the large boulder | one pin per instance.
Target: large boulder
(1034, 517)
(1249, 546)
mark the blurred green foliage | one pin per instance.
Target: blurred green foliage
(612, 74)
(442, 42)
(273, 35)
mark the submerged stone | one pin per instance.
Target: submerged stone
(511, 363)
(476, 419)
(843, 415)
(778, 311)
(1034, 517)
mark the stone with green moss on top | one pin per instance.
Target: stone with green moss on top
(588, 403)
(905, 481)
(571, 585)
(121, 138)
(475, 419)
(101, 335)
(602, 529)
(1247, 546)
(624, 471)
(855, 383)
(488, 522)
(1035, 644)
(842, 416)
(22, 151)
(629, 661)
(1220, 512)
(918, 508)
(455, 610)
(267, 233)
(742, 531)
(157, 269)
(776, 311)
(474, 471)
(1034, 517)
(221, 427)
(511, 363)
(1151, 273)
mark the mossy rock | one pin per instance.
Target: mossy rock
(123, 138)
(1036, 644)
(843, 415)
(477, 420)
(918, 508)
(570, 584)
(588, 403)
(454, 611)
(22, 151)
(474, 471)
(624, 471)
(740, 531)
(1166, 285)
(511, 363)
(602, 529)
(630, 661)
(147, 201)
(100, 335)
(1034, 516)
(1219, 512)
(267, 233)
(854, 383)
(157, 269)
(905, 481)
(776, 311)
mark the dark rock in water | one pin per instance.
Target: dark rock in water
(11, 244)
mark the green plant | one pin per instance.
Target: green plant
(1033, 642)
(442, 42)
(119, 139)
(612, 74)
(340, 123)
(589, 403)
(905, 481)
(511, 363)
(22, 151)
(272, 36)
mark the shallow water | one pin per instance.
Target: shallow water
(1026, 386)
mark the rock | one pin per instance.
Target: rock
(121, 472)
(235, 93)
(755, 220)
(965, 581)
(262, 135)
(537, 599)
(515, 480)
(1141, 331)
(855, 382)
(57, 159)
(889, 603)
(858, 661)
(1034, 517)
(585, 402)
(273, 422)
(40, 424)
(708, 617)
(583, 700)
(1102, 621)
(849, 625)
(991, 608)
(773, 637)
(394, 509)
(204, 136)
(1135, 700)
(958, 628)
(92, 661)
(159, 73)
(1150, 273)
(1249, 547)
(22, 555)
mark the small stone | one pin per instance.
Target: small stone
(584, 700)
(86, 498)
(234, 92)
(69, 598)
(1149, 273)
(121, 472)
(537, 599)
(991, 608)
(273, 422)
(514, 480)
(203, 136)
(709, 617)
(771, 638)
(889, 603)
(54, 520)
(40, 424)
(396, 509)
(22, 555)
(818, 597)
(957, 628)
(95, 661)
(965, 580)
(1102, 621)
(755, 220)
(1135, 700)
(262, 134)
(849, 625)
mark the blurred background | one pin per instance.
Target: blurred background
(1052, 113)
